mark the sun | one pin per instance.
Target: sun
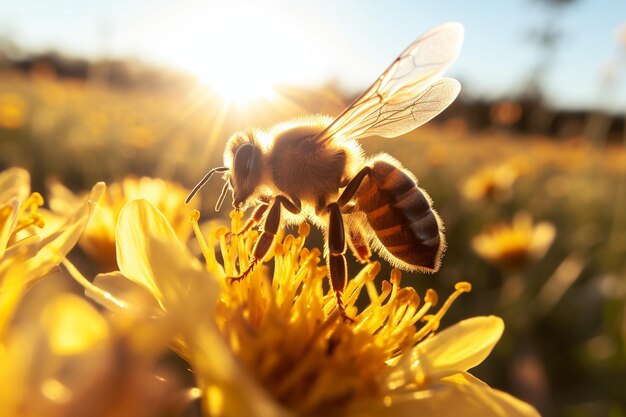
(235, 67)
(233, 79)
(241, 50)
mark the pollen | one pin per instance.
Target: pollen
(195, 216)
(281, 321)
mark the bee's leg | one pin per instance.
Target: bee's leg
(255, 218)
(320, 204)
(352, 187)
(270, 229)
(358, 244)
(337, 266)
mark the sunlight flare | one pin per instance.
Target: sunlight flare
(244, 60)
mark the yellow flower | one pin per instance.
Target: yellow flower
(61, 357)
(28, 249)
(489, 183)
(277, 345)
(12, 111)
(514, 245)
(505, 113)
(98, 240)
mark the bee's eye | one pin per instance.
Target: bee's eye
(244, 159)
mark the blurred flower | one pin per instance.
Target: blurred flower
(29, 249)
(98, 240)
(274, 346)
(505, 113)
(489, 183)
(12, 111)
(514, 245)
(62, 358)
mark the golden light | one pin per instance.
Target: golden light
(241, 50)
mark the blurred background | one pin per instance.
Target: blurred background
(527, 168)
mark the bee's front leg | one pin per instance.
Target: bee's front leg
(270, 229)
(255, 218)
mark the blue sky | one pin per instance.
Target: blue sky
(351, 41)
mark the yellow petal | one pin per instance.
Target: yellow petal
(14, 183)
(121, 295)
(140, 223)
(8, 220)
(180, 278)
(542, 238)
(61, 198)
(223, 380)
(150, 253)
(11, 291)
(458, 348)
(53, 248)
(446, 400)
(72, 325)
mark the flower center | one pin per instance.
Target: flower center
(287, 330)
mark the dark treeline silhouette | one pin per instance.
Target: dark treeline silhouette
(525, 114)
(533, 116)
(116, 73)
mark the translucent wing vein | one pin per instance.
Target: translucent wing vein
(409, 93)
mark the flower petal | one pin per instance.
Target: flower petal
(139, 224)
(73, 325)
(150, 254)
(14, 183)
(53, 248)
(446, 400)
(458, 348)
(223, 380)
(7, 224)
(121, 295)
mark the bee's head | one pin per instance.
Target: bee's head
(244, 158)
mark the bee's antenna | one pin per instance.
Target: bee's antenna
(204, 181)
(220, 200)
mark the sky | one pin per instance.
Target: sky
(350, 41)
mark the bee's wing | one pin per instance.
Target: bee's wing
(409, 93)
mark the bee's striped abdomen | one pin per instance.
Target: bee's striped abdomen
(400, 214)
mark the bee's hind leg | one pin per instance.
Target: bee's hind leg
(337, 267)
(270, 228)
(350, 191)
(359, 245)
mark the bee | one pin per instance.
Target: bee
(313, 168)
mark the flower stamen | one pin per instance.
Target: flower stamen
(433, 321)
(285, 326)
(28, 215)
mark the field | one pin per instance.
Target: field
(558, 279)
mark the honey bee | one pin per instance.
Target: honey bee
(314, 168)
